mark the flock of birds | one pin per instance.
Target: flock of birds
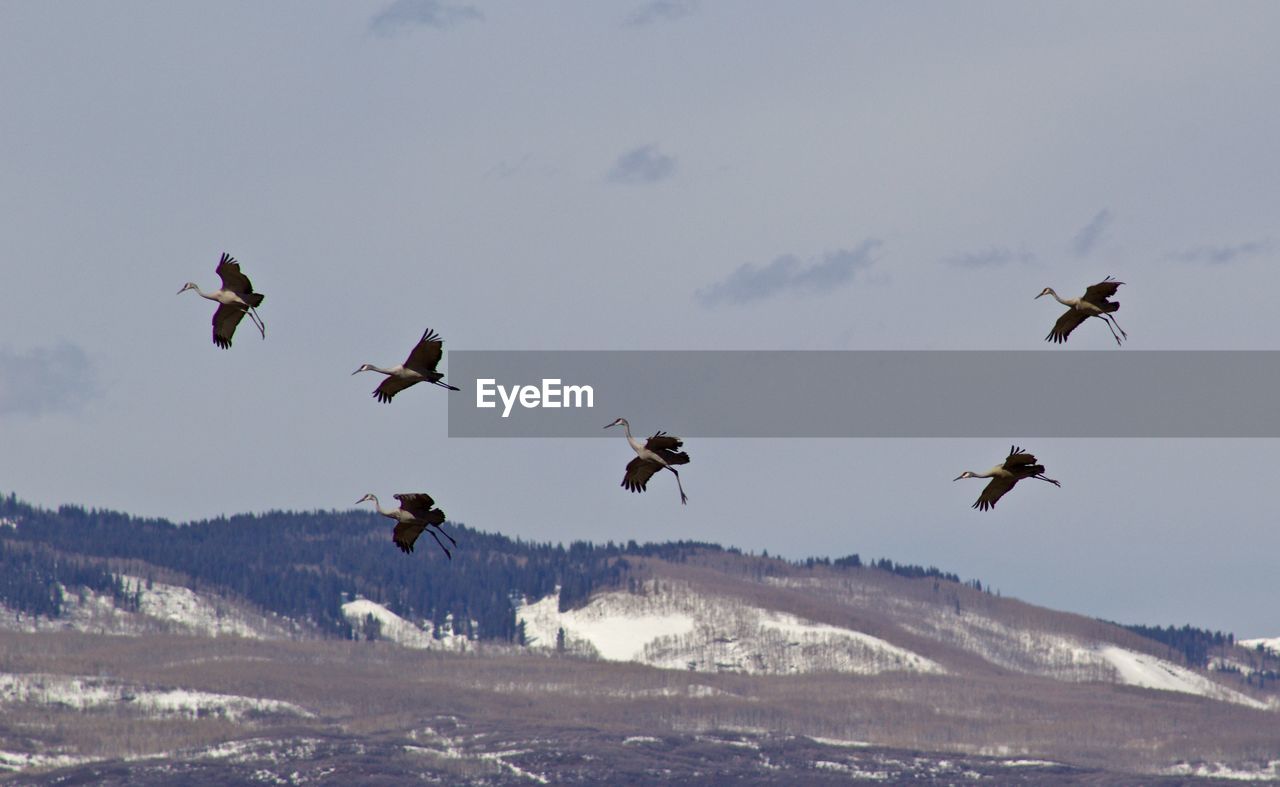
(417, 511)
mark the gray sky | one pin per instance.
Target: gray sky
(660, 175)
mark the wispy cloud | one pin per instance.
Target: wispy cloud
(991, 257)
(789, 273)
(60, 378)
(1092, 233)
(660, 11)
(405, 14)
(1222, 254)
(645, 164)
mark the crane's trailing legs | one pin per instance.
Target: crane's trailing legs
(447, 553)
(1112, 319)
(253, 315)
(684, 499)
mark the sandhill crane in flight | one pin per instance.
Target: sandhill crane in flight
(236, 298)
(1093, 303)
(1017, 466)
(661, 450)
(419, 366)
(415, 514)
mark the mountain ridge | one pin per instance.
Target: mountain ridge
(267, 643)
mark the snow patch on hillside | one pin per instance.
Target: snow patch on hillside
(1025, 649)
(1140, 669)
(391, 626)
(1271, 644)
(83, 693)
(20, 761)
(611, 629)
(676, 628)
(162, 608)
(1262, 772)
(189, 612)
(87, 611)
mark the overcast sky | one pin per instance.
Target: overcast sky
(642, 175)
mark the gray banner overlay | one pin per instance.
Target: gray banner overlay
(1059, 393)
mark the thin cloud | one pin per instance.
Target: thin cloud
(660, 11)
(991, 258)
(1092, 233)
(1222, 254)
(645, 164)
(788, 273)
(406, 14)
(41, 380)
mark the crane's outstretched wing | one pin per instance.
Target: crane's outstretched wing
(1019, 459)
(225, 320)
(668, 447)
(406, 533)
(639, 471)
(419, 504)
(426, 354)
(1098, 294)
(1067, 323)
(993, 492)
(390, 387)
(235, 281)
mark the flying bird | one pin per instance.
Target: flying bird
(236, 298)
(419, 366)
(661, 450)
(1017, 466)
(1094, 303)
(415, 514)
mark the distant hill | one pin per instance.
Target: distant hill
(294, 625)
(336, 574)
(306, 566)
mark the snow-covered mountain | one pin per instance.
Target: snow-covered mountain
(162, 608)
(674, 624)
(390, 626)
(703, 619)
(678, 628)
(720, 662)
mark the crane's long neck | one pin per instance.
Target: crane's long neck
(636, 445)
(378, 506)
(373, 368)
(1059, 299)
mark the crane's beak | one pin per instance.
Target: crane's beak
(615, 423)
(184, 289)
(957, 478)
(1038, 297)
(358, 371)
